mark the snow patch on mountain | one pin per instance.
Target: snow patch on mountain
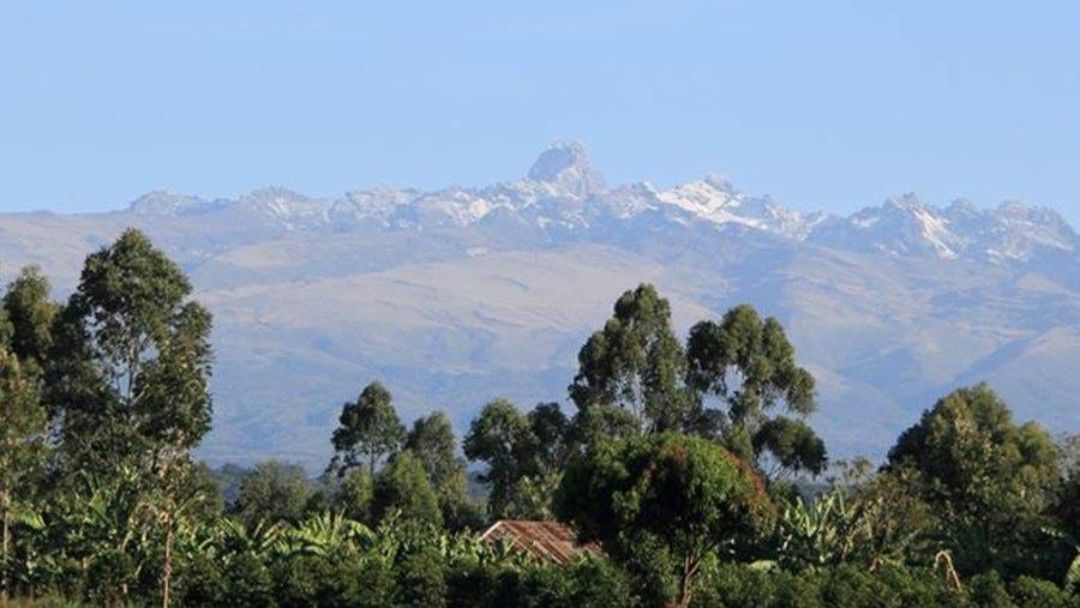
(292, 210)
(374, 208)
(715, 199)
(160, 202)
(1022, 232)
(562, 194)
(904, 225)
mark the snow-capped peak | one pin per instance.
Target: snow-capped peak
(932, 228)
(567, 166)
(1018, 231)
(711, 198)
(715, 199)
(291, 209)
(563, 195)
(902, 225)
(905, 225)
(909, 202)
(160, 202)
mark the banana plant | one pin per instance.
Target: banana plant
(31, 561)
(107, 526)
(819, 534)
(171, 513)
(328, 534)
(234, 537)
(1071, 580)
(845, 526)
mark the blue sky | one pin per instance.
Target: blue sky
(824, 105)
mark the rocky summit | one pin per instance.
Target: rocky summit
(458, 296)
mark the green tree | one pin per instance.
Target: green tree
(131, 359)
(990, 481)
(497, 438)
(792, 445)
(368, 428)
(355, 494)
(524, 454)
(402, 487)
(747, 365)
(6, 329)
(128, 368)
(22, 454)
(31, 314)
(422, 579)
(431, 440)
(273, 492)
(676, 498)
(544, 452)
(1067, 511)
(551, 444)
(636, 364)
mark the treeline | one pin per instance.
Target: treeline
(690, 463)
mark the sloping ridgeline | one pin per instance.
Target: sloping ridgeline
(456, 296)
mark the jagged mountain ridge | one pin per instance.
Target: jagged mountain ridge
(563, 192)
(459, 295)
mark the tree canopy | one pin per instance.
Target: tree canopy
(273, 492)
(368, 430)
(635, 363)
(31, 313)
(432, 442)
(402, 488)
(131, 360)
(989, 479)
(685, 496)
(736, 381)
(747, 365)
(22, 453)
(499, 437)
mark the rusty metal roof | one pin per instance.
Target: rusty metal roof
(542, 539)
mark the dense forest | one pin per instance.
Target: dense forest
(690, 464)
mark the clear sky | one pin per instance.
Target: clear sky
(824, 105)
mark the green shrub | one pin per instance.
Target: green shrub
(736, 585)
(988, 591)
(314, 580)
(421, 579)
(597, 583)
(470, 584)
(1034, 593)
(850, 587)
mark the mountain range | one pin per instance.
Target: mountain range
(461, 295)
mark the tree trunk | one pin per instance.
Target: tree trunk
(686, 590)
(166, 568)
(6, 582)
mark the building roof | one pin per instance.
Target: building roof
(542, 539)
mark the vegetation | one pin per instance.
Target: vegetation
(692, 466)
(683, 498)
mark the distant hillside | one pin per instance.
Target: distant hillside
(458, 296)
